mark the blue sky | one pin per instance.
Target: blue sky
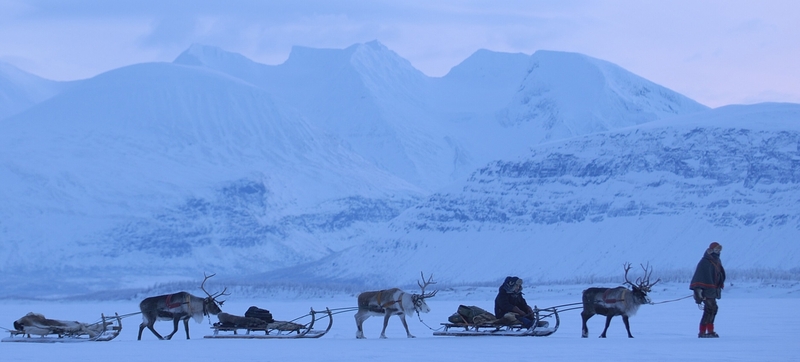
(716, 52)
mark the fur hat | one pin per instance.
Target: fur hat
(510, 284)
(715, 247)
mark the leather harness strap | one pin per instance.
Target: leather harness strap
(611, 301)
(187, 300)
(378, 298)
(171, 305)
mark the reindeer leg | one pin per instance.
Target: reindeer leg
(585, 329)
(361, 316)
(385, 323)
(150, 327)
(175, 324)
(141, 328)
(608, 322)
(627, 325)
(186, 326)
(403, 318)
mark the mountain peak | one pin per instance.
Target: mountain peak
(567, 94)
(20, 89)
(216, 58)
(211, 56)
(370, 55)
(486, 63)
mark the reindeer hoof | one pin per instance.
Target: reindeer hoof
(383, 337)
(410, 336)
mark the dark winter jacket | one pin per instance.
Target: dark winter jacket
(709, 276)
(506, 300)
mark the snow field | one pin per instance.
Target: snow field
(757, 322)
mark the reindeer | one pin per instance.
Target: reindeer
(611, 302)
(177, 307)
(390, 302)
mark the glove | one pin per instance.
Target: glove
(698, 295)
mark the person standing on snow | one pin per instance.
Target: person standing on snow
(509, 299)
(707, 284)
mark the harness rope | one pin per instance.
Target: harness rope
(426, 324)
(672, 300)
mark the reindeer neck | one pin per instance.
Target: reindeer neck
(414, 299)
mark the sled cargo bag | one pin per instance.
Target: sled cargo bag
(262, 314)
(471, 314)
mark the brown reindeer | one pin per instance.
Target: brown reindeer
(177, 307)
(391, 302)
(622, 301)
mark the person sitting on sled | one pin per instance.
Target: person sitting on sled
(509, 300)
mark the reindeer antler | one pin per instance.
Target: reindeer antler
(202, 285)
(644, 283)
(427, 283)
(627, 267)
(215, 296)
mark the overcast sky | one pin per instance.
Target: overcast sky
(716, 52)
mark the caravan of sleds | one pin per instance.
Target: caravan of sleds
(257, 323)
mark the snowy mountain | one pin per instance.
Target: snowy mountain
(484, 82)
(160, 171)
(434, 131)
(159, 167)
(365, 94)
(577, 209)
(20, 90)
(568, 94)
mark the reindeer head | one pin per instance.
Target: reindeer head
(642, 285)
(210, 303)
(419, 299)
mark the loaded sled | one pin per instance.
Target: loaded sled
(474, 321)
(258, 324)
(35, 328)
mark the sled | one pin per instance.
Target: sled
(38, 329)
(546, 322)
(275, 330)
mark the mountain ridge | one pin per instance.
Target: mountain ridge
(668, 187)
(213, 161)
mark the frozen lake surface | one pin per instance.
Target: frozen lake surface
(756, 322)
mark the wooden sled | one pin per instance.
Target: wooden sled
(44, 330)
(277, 329)
(546, 322)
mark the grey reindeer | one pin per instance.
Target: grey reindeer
(177, 307)
(621, 301)
(391, 302)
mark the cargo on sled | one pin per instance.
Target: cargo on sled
(258, 323)
(35, 328)
(474, 321)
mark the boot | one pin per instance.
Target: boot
(707, 331)
(711, 333)
(703, 330)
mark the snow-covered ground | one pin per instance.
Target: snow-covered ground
(757, 322)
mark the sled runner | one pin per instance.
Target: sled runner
(482, 323)
(252, 327)
(35, 328)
